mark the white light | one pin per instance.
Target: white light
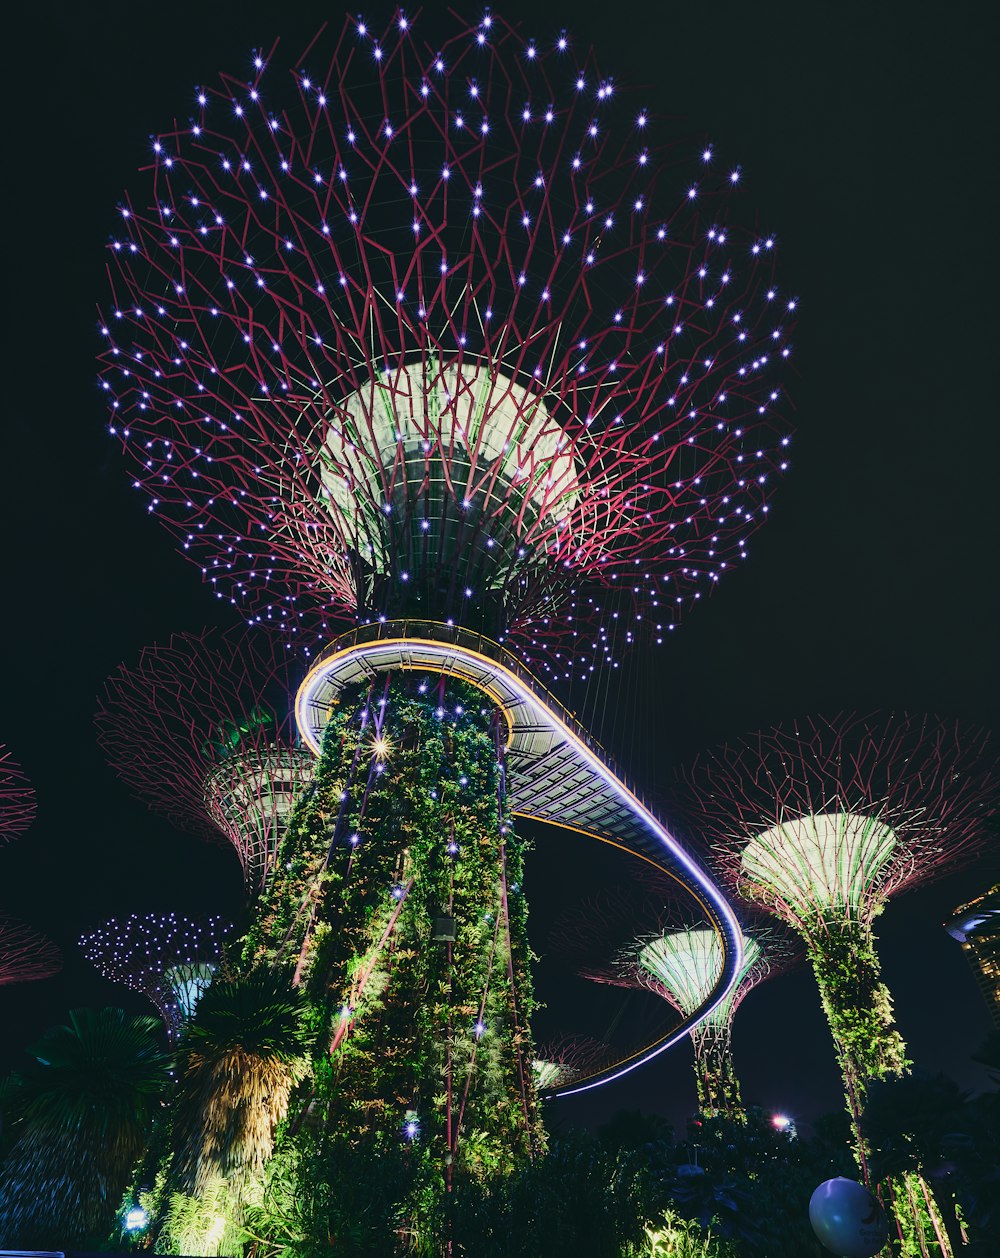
(136, 1219)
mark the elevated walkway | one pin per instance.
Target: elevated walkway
(556, 773)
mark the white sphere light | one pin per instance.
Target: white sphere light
(847, 1219)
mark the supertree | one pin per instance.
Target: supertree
(644, 936)
(820, 823)
(567, 1059)
(169, 958)
(25, 954)
(434, 340)
(17, 798)
(201, 729)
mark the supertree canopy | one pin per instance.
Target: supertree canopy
(17, 798)
(25, 954)
(169, 958)
(568, 1058)
(644, 935)
(441, 331)
(437, 341)
(201, 729)
(683, 966)
(820, 823)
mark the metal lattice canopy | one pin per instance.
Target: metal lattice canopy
(643, 934)
(17, 798)
(568, 1059)
(25, 954)
(168, 957)
(201, 729)
(829, 817)
(449, 330)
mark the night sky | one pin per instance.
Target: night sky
(868, 137)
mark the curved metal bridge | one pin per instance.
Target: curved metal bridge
(556, 773)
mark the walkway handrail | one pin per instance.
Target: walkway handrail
(554, 761)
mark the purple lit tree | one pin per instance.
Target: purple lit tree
(820, 823)
(17, 798)
(438, 332)
(169, 958)
(424, 339)
(644, 936)
(201, 728)
(25, 954)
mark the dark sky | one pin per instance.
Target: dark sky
(868, 136)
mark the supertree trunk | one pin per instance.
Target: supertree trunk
(869, 1047)
(858, 1009)
(718, 1086)
(398, 898)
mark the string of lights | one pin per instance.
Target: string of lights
(169, 958)
(442, 330)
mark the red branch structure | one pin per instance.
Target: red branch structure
(644, 936)
(201, 728)
(447, 330)
(820, 823)
(169, 958)
(17, 798)
(834, 816)
(564, 1060)
(25, 954)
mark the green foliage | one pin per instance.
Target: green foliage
(84, 1115)
(717, 1084)
(871, 1051)
(395, 1026)
(925, 1129)
(202, 1225)
(239, 1060)
(260, 1013)
(746, 1184)
(404, 1024)
(858, 1008)
(578, 1198)
(674, 1237)
(327, 1195)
